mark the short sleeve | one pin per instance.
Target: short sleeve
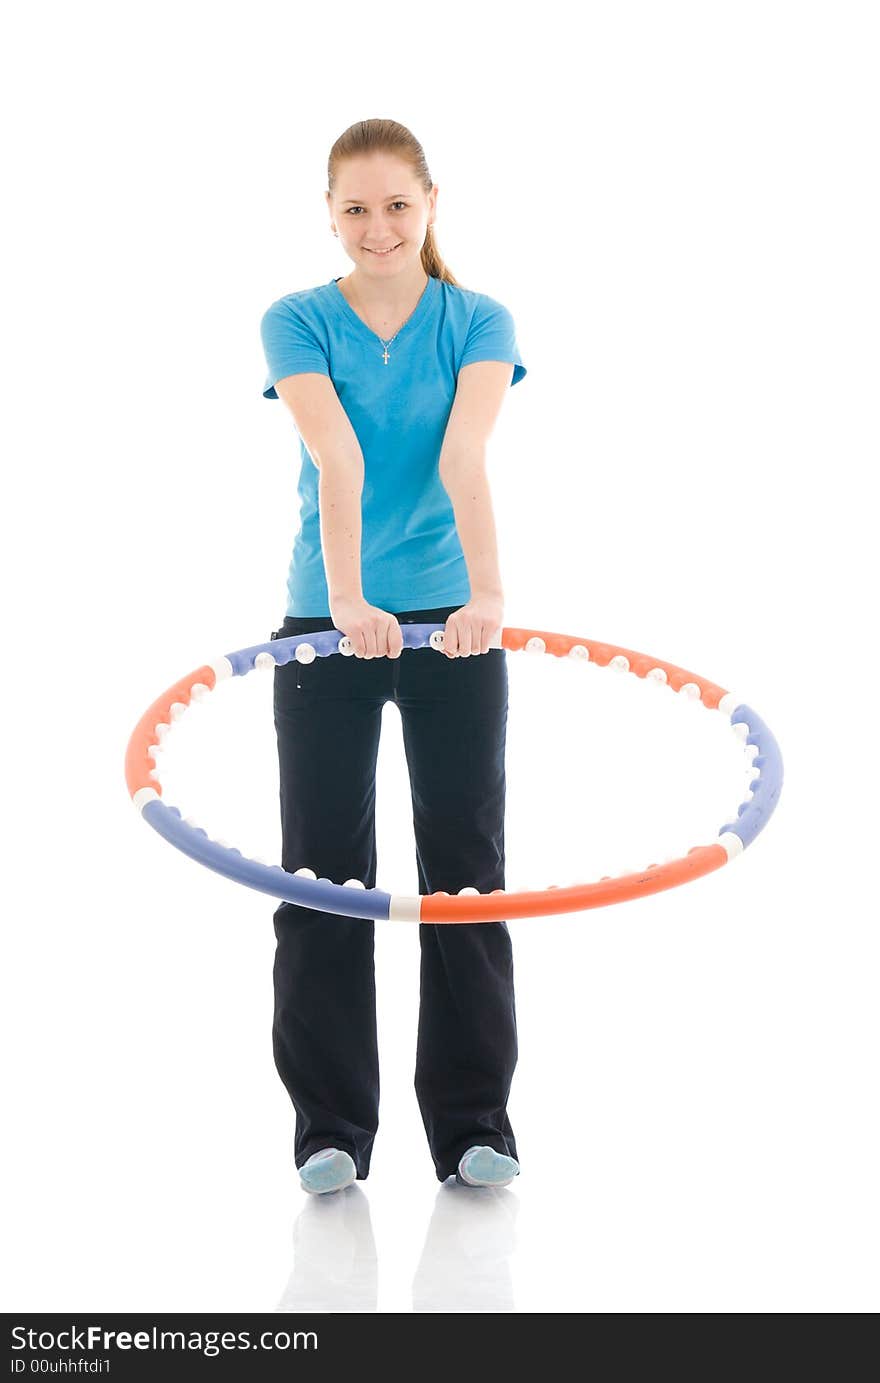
(492, 336)
(291, 346)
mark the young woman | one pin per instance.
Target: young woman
(395, 376)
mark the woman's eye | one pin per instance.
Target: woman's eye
(360, 208)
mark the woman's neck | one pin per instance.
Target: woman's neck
(384, 303)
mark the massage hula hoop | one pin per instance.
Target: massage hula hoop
(352, 898)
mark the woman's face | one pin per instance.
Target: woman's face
(377, 206)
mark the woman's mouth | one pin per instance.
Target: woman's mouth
(383, 253)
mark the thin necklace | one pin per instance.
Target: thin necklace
(386, 344)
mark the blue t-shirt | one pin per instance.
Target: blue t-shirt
(411, 557)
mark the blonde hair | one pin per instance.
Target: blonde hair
(390, 137)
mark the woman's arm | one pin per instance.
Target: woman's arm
(482, 387)
(467, 484)
(332, 443)
(340, 487)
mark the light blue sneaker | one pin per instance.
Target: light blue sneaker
(329, 1169)
(485, 1167)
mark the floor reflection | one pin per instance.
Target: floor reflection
(334, 1256)
(465, 1264)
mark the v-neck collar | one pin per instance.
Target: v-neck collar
(348, 311)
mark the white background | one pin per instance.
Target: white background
(678, 204)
